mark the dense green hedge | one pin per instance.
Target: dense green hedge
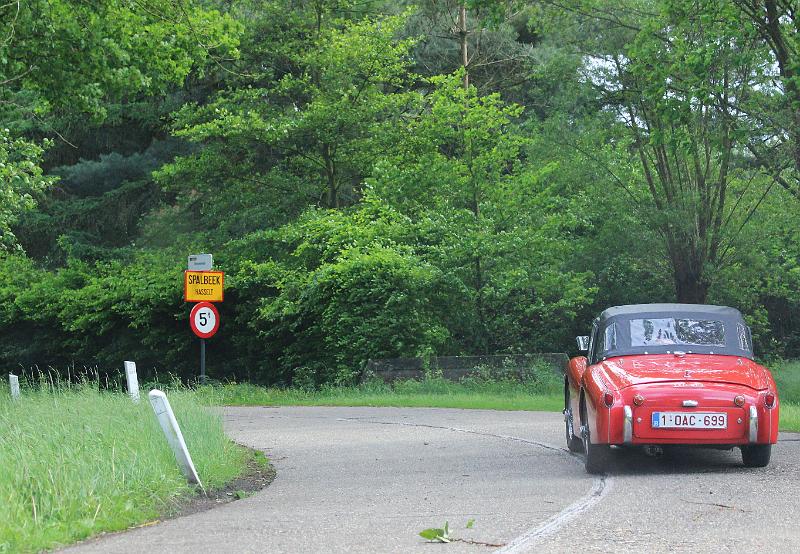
(308, 303)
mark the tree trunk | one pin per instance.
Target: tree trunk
(691, 283)
(690, 289)
(330, 177)
(462, 34)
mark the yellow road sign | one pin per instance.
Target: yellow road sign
(203, 286)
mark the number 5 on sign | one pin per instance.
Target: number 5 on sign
(204, 320)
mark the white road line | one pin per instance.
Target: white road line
(526, 541)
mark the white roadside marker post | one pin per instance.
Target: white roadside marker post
(13, 382)
(133, 380)
(172, 431)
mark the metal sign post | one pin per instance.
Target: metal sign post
(202, 361)
(203, 285)
(204, 321)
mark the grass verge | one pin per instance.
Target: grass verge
(543, 395)
(76, 462)
(787, 377)
(790, 417)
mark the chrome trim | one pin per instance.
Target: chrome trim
(690, 403)
(570, 422)
(753, 435)
(627, 427)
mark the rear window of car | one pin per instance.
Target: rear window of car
(744, 337)
(666, 331)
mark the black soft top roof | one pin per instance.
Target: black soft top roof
(730, 317)
(670, 310)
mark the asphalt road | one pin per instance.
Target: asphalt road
(369, 479)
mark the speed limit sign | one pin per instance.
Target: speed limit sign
(204, 320)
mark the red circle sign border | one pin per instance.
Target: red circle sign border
(197, 307)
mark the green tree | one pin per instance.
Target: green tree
(62, 61)
(339, 287)
(494, 42)
(20, 179)
(670, 79)
(486, 217)
(65, 65)
(776, 108)
(308, 139)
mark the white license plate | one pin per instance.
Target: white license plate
(689, 420)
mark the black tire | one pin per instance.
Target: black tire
(574, 442)
(597, 456)
(756, 455)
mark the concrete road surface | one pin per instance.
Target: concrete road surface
(370, 479)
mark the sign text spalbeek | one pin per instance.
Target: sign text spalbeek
(203, 286)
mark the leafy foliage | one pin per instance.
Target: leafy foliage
(100, 52)
(437, 535)
(20, 179)
(364, 300)
(363, 201)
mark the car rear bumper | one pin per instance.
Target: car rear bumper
(744, 426)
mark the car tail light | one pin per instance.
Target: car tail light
(638, 399)
(739, 400)
(769, 400)
(608, 398)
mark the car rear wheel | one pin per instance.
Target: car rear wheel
(574, 442)
(756, 455)
(597, 455)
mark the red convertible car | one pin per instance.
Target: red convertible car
(669, 374)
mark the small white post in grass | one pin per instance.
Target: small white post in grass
(13, 382)
(133, 380)
(174, 436)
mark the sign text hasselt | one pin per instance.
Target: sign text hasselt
(203, 286)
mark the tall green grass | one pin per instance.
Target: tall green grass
(75, 461)
(544, 393)
(787, 377)
(790, 417)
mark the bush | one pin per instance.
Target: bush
(377, 303)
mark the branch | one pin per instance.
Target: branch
(599, 15)
(738, 200)
(483, 64)
(603, 166)
(745, 222)
(13, 22)
(777, 177)
(42, 122)
(17, 77)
